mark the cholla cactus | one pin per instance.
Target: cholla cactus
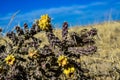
(19, 31)
(64, 30)
(53, 40)
(83, 51)
(0, 29)
(54, 61)
(1, 69)
(26, 29)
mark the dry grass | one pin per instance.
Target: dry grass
(102, 64)
(107, 58)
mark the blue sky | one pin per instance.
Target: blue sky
(75, 12)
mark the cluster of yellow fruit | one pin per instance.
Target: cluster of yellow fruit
(32, 53)
(69, 71)
(44, 22)
(63, 62)
(10, 59)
